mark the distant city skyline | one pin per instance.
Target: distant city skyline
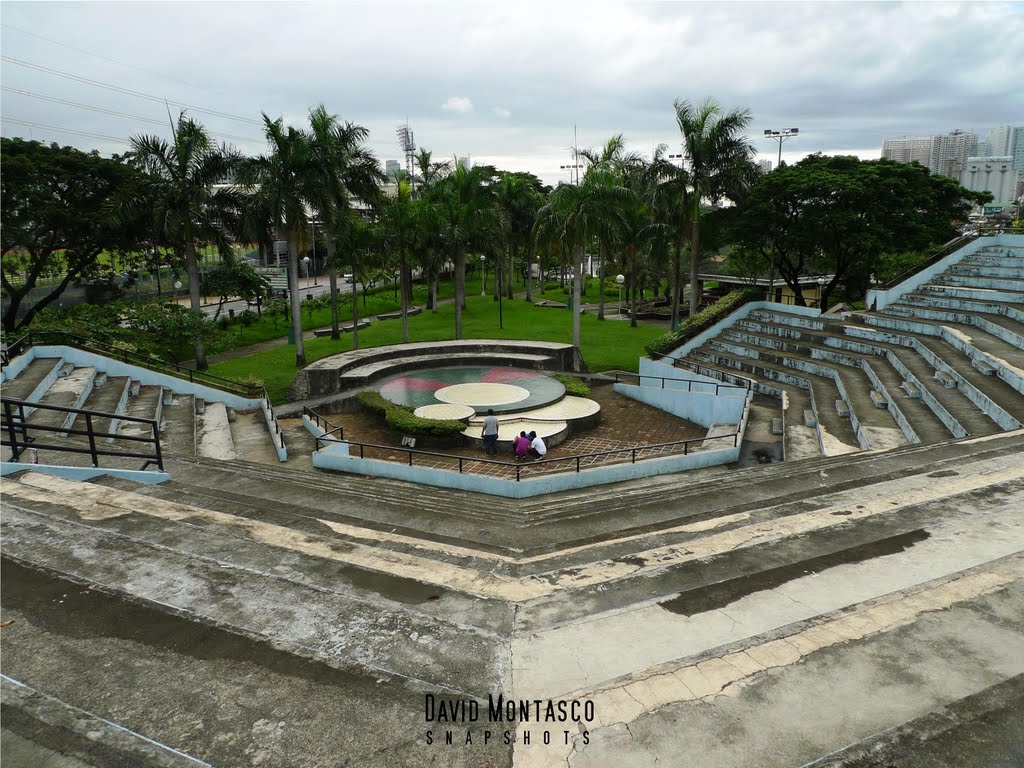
(506, 84)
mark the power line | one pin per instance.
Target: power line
(105, 111)
(27, 124)
(126, 91)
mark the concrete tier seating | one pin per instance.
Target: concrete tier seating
(787, 578)
(357, 368)
(211, 424)
(945, 359)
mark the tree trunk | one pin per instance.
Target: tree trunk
(498, 287)
(355, 302)
(529, 274)
(600, 281)
(578, 270)
(677, 287)
(405, 303)
(293, 298)
(460, 287)
(695, 291)
(192, 266)
(332, 278)
(433, 293)
(513, 248)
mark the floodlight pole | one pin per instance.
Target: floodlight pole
(781, 136)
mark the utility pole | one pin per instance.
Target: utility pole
(408, 143)
(781, 136)
(574, 167)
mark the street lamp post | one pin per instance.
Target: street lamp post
(821, 284)
(313, 222)
(781, 136)
(177, 287)
(305, 260)
(483, 275)
(620, 279)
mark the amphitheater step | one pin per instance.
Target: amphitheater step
(213, 433)
(178, 424)
(110, 397)
(68, 391)
(251, 438)
(24, 385)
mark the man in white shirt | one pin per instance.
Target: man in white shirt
(490, 433)
(537, 447)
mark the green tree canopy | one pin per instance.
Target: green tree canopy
(56, 219)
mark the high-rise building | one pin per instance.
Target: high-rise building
(909, 149)
(765, 166)
(1006, 140)
(391, 167)
(465, 162)
(950, 152)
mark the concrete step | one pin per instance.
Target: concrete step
(29, 384)
(213, 433)
(251, 438)
(836, 433)
(991, 281)
(979, 294)
(68, 391)
(831, 342)
(109, 397)
(989, 326)
(178, 424)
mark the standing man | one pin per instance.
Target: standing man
(490, 433)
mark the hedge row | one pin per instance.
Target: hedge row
(573, 385)
(702, 321)
(403, 419)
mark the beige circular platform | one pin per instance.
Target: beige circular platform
(444, 412)
(481, 395)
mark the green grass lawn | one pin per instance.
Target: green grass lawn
(605, 345)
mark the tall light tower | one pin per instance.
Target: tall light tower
(405, 139)
(781, 136)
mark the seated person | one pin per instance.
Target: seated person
(520, 446)
(537, 447)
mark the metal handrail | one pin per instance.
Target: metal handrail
(15, 424)
(689, 382)
(953, 245)
(127, 356)
(330, 430)
(576, 458)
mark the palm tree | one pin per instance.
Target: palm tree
(399, 225)
(719, 160)
(519, 199)
(290, 184)
(187, 203)
(670, 198)
(464, 202)
(352, 173)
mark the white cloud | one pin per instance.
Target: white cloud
(503, 113)
(458, 104)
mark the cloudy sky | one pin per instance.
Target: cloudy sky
(506, 82)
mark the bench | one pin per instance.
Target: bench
(777, 426)
(878, 399)
(347, 328)
(945, 379)
(809, 418)
(395, 315)
(984, 367)
(842, 408)
(910, 389)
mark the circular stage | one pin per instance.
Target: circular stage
(506, 390)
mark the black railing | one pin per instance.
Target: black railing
(252, 391)
(9, 351)
(689, 382)
(332, 433)
(18, 433)
(39, 338)
(575, 461)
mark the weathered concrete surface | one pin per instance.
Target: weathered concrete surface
(217, 696)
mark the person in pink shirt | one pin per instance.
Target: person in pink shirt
(521, 445)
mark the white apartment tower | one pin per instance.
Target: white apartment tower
(946, 154)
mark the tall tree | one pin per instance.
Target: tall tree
(191, 200)
(56, 220)
(671, 203)
(290, 183)
(519, 199)
(352, 173)
(399, 230)
(464, 202)
(719, 160)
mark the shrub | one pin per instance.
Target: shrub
(573, 385)
(403, 419)
(248, 317)
(702, 321)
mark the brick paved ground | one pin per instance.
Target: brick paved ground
(625, 425)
